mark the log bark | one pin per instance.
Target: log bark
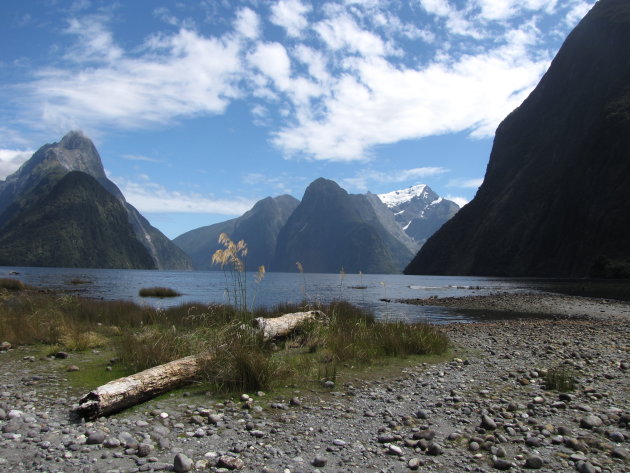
(122, 393)
(286, 324)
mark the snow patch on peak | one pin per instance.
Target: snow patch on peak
(394, 198)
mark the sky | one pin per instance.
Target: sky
(201, 108)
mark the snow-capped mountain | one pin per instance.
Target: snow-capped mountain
(419, 210)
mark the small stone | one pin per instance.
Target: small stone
(182, 463)
(215, 418)
(534, 462)
(144, 450)
(231, 463)
(95, 437)
(501, 464)
(488, 423)
(474, 446)
(245, 397)
(615, 436)
(295, 401)
(319, 461)
(111, 442)
(5, 346)
(71, 368)
(435, 449)
(395, 450)
(585, 467)
(590, 421)
(62, 355)
(414, 463)
(329, 384)
(197, 419)
(421, 414)
(621, 453)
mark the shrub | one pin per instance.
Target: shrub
(11, 284)
(560, 378)
(158, 292)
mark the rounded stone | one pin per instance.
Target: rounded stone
(319, 461)
(534, 462)
(435, 449)
(488, 423)
(182, 463)
(590, 422)
(95, 437)
(501, 464)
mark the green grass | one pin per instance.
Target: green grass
(11, 284)
(142, 337)
(158, 292)
(560, 378)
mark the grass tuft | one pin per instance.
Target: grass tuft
(158, 292)
(143, 337)
(11, 284)
(560, 378)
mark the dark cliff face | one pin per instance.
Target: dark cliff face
(71, 221)
(258, 227)
(332, 229)
(75, 152)
(556, 196)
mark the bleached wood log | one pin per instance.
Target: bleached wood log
(122, 393)
(286, 324)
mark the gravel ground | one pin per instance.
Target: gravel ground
(485, 410)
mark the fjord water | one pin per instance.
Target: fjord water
(205, 287)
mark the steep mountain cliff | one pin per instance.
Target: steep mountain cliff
(419, 210)
(556, 197)
(71, 221)
(75, 152)
(259, 227)
(331, 229)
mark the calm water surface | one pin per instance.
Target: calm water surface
(206, 287)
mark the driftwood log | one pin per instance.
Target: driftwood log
(286, 324)
(122, 393)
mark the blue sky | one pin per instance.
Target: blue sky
(199, 109)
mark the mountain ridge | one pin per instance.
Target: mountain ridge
(76, 153)
(531, 216)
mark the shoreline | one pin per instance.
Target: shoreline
(487, 409)
(533, 303)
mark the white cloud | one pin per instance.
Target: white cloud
(577, 10)
(272, 185)
(291, 15)
(363, 179)
(182, 75)
(147, 196)
(138, 157)
(96, 42)
(461, 201)
(247, 23)
(273, 61)
(11, 160)
(381, 103)
(466, 183)
(505, 9)
(342, 32)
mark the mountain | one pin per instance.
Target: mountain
(71, 221)
(419, 210)
(259, 227)
(28, 187)
(331, 229)
(555, 200)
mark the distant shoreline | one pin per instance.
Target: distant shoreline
(537, 304)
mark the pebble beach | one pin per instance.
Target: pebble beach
(486, 408)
